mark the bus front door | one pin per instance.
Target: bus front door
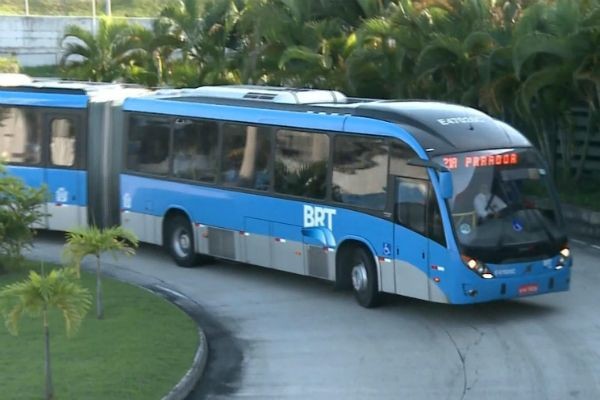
(411, 244)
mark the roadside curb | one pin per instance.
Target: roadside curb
(185, 386)
(189, 380)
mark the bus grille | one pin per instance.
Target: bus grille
(221, 243)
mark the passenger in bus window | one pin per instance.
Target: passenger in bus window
(155, 152)
(232, 174)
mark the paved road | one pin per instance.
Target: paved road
(279, 336)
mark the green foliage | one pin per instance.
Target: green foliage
(139, 352)
(36, 296)
(106, 56)
(9, 65)
(95, 241)
(20, 209)
(528, 62)
(57, 289)
(42, 71)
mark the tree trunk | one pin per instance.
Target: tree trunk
(99, 307)
(49, 395)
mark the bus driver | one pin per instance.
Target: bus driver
(486, 203)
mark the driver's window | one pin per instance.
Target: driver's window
(416, 208)
(411, 203)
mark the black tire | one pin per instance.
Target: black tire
(179, 241)
(363, 275)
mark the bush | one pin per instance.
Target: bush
(9, 64)
(20, 209)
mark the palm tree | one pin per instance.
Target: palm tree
(205, 43)
(151, 53)
(103, 57)
(556, 44)
(82, 242)
(295, 42)
(462, 38)
(36, 296)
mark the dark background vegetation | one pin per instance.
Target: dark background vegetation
(532, 63)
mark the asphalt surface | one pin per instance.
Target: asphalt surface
(273, 335)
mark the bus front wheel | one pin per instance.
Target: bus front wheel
(363, 274)
(179, 241)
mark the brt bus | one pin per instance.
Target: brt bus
(62, 135)
(423, 199)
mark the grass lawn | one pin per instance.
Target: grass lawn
(139, 351)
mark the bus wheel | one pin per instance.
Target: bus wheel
(364, 278)
(179, 241)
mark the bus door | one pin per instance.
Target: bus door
(20, 146)
(411, 244)
(65, 175)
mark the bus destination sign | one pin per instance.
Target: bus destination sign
(475, 161)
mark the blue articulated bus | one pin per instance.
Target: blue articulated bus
(423, 199)
(63, 135)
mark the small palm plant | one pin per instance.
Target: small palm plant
(35, 296)
(82, 242)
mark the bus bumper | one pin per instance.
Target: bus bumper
(482, 290)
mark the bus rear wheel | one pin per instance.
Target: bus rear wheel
(179, 241)
(363, 274)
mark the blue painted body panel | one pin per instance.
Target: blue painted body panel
(231, 209)
(237, 114)
(34, 99)
(74, 183)
(227, 209)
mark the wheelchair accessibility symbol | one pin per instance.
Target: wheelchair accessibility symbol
(387, 249)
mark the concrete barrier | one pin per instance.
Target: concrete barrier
(36, 40)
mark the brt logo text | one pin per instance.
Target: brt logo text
(318, 216)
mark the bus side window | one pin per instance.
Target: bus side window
(301, 163)
(417, 208)
(400, 153)
(62, 142)
(245, 158)
(20, 135)
(195, 147)
(360, 171)
(411, 203)
(148, 145)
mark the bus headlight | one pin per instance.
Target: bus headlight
(564, 257)
(478, 267)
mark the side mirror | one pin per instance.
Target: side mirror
(446, 188)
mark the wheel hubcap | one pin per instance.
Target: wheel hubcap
(359, 277)
(182, 243)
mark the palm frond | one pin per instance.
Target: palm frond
(38, 292)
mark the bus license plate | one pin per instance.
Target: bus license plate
(525, 290)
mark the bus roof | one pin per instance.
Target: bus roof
(62, 93)
(440, 128)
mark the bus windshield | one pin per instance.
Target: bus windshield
(504, 208)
